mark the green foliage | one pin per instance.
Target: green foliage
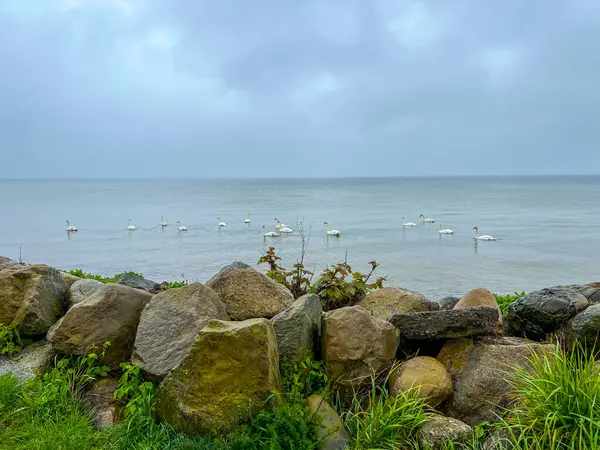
(10, 340)
(302, 378)
(378, 420)
(340, 286)
(137, 392)
(81, 274)
(504, 301)
(176, 284)
(297, 280)
(557, 404)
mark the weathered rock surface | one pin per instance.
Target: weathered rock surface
(448, 302)
(331, 431)
(248, 294)
(480, 369)
(590, 291)
(436, 432)
(425, 374)
(446, 324)
(542, 312)
(481, 297)
(82, 289)
(356, 344)
(31, 297)
(585, 327)
(227, 376)
(298, 328)
(34, 359)
(110, 314)
(388, 301)
(104, 408)
(69, 279)
(169, 325)
(133, 281)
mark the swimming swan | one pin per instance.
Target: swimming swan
(181, 227)
(483, 237)
(269, 233)
(247, 220)
(331, 232)
(130, 227)
(162, 221)
(71, 227)
(428, 220)
(281, 227)
(407, 224)
(221, 224)
(445, 230)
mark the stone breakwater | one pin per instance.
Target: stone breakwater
(215, 348)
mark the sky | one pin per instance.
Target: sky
(298, 88)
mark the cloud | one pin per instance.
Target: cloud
(141, 88)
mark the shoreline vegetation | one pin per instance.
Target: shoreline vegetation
(291, 360)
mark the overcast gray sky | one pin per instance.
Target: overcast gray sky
(255, 88)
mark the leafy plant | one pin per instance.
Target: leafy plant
(340, 286)
(10, 340)
(138, 393)
(504, 301)
(302, 378)
(557, 402)
(297, 280)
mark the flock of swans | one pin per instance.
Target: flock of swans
(281, 228)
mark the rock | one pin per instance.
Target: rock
(331, 431)
(438, 430)
(228, 375)
(99, 399)
(7, 262)
(110, 314)
(427, 375)
(446, 324)
(448, 302)
(31, 297)
(298, 328)
(480, 369)
(590, 291)
(499, 440)
(248, 294)
(542, 312)
(387, 301)
(69, 279)
(169, 325)
(356, 344)
(481, 297)
(33, 360)
(133, 281)
(585, 327)
(82, 289)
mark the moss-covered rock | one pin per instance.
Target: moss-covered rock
(32, 298)
(228, 375)
(425, 374)
(356, 344)
(439, 430)
(331, 431)
(110, 314)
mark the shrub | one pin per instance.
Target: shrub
(297, 280)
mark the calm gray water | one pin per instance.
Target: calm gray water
(547, 227)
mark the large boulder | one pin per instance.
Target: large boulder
(388, 301)
(449, 302)
(425, 374)
(110, 314)
(446, 324)
(481, 297)
(585, 327)
(228, 376)
(169, 325)
(35, 359)
(356, 344)
(542, 312)
(298, 328)
(590, 291)
(480, 369)
(439, 430)
(32, 298)
(136, 282)
(331, 431)
(82, 289)
(248, 294)
(69, 279)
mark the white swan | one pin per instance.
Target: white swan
(445, 230)
(221, 223)
(407, 224)
(269, 233)
(483, 237)
(130, 226)
(426, 220)
(247, 220)
(181, 227)
(279, 224)
(331, 232)
(162, 221)
(71, 227)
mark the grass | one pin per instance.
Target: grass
(504, 301)
(91, 276)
